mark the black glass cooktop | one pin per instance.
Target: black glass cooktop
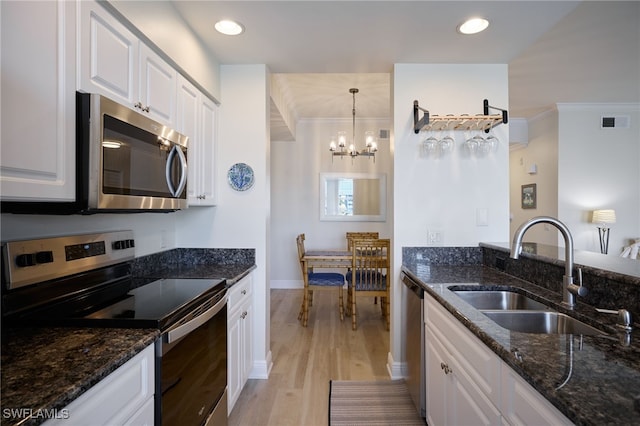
(158, 302)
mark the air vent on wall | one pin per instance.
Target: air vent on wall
(616, 122)
(383, 134)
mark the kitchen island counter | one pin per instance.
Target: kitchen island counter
(604, 382)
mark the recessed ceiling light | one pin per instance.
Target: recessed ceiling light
(473, 26)
(229, 27)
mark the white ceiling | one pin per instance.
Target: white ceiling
(557, 51)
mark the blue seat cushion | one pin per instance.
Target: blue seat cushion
(326, 278)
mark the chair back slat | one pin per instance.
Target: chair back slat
(360, 236)
(370, 264)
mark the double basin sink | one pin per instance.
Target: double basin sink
(515, 311)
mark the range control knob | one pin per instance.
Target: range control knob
(44, 257)
(122, 244)
(26, 259)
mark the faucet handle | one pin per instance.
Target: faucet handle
(578, 289)
(625, 320)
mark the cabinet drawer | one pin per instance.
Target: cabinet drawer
(239, 292)
(480, 363)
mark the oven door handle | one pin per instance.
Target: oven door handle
(184, 329)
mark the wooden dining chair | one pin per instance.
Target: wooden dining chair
(359, 236)
(370, 275)
(317, 281)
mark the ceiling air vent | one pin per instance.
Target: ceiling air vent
(616, 122)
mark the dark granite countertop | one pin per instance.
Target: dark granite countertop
(46, 368)
(604, 384)
(231, 273)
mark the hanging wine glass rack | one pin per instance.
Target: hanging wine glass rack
(483, 121)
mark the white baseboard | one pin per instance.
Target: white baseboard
(286, 284)
(262, 368)
(396, 369)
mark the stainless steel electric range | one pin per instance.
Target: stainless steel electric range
(86, 281)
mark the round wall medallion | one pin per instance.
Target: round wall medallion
(240, 176)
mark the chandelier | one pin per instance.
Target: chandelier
(338, 145)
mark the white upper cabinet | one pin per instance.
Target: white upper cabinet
(197, 118)
(37, 126)
(108, 60)
(157, 86)
(208, 144)
(114, 63)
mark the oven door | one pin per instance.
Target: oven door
(193, 368)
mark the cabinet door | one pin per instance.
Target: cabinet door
(523, 405)
(437, 383)
(468, 404)
(208, 133)
(37, 126)
(187, 120)
(108, 55)
(234, 359)
(246, 336)
(157, 87)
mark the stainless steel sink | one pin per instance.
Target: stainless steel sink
(499, 300)
(544, 322)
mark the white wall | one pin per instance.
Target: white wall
(542, 151)
(295, 185)
(241, 219)
(599, 168)
(153, 232)
(444, 193)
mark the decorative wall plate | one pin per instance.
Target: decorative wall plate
(240, 177)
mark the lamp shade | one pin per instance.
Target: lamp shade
(604, 216)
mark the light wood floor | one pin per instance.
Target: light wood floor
(305, 359)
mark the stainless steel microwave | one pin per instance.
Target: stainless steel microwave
(125, 162)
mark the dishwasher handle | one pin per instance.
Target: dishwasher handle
(412, 285)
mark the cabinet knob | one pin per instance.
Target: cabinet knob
(244, 315)
(445, 368)
(244, 292)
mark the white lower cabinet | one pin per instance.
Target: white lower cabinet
(468, 384)
(239, 338)
(463, 379)
(123, 397)
(522, 405)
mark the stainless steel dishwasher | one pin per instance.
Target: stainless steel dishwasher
(414, 344)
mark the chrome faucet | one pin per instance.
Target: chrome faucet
(569, 289)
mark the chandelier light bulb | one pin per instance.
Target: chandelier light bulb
(369, 138)
(332, 145)
(342, 139)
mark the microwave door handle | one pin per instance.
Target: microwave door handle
(184, 329)
(183, 170)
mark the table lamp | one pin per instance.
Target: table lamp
(603, 217)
